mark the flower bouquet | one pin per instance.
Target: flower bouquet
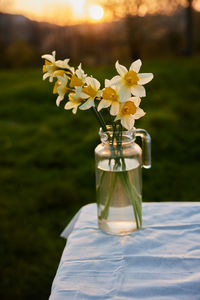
(118, 157)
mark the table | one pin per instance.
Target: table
(160, 261)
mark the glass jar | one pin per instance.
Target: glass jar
(118, 179)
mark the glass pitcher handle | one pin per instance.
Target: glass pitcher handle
(146, 147)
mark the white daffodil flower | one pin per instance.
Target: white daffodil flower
(78, 78)
(60, 88)
(131, 82)
(129, 112)
(51, 66)
(74, 102)
(91, 91)
(110, 97)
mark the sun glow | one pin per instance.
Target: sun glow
(62, 12)
(77, 6)
(68, 12)
(96, 12)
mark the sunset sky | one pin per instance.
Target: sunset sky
(56, 11)
(63, 12)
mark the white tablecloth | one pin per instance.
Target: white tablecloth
(160, 261)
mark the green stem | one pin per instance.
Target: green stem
(99, 186)
(104, 213)
(99, 118)
(103, 122)
(113, 136)
(136, 198)
(124, 180)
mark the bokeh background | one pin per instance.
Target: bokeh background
(47, 154)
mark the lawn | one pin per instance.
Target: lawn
(47, 164)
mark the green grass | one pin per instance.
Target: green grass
(47, 164)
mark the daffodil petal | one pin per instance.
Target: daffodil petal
(49, 57)
(103, 104)
(80, 94)
(135, 100)
(88, 104)
(62, 63)
(88, 81)
(74, 110)
(117, 80)
(69, 105)
(117, 118)
(45, 76)
(72, 70)
(114, 110)
(107, 82)
(120, 69)
(59, 63)
(59, 99)
(139, 113)
(51, 78)
(138, 90)
(136, 65)
(128, 122)
(80, 73)
(95, 84)
(144, 78)
(124, 94)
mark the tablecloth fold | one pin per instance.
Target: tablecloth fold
(160, 261)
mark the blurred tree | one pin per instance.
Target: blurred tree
(122, 8)
(127, 9)
(132, 11)
(189, 28)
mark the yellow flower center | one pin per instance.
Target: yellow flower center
(64, 90)
(110, 94)
(50, 65)
(130, 78)
(129, 108)
(44, 66)
(76, 100)
(75, 81)
(88, 90)
(59, 72)
(55, 89)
